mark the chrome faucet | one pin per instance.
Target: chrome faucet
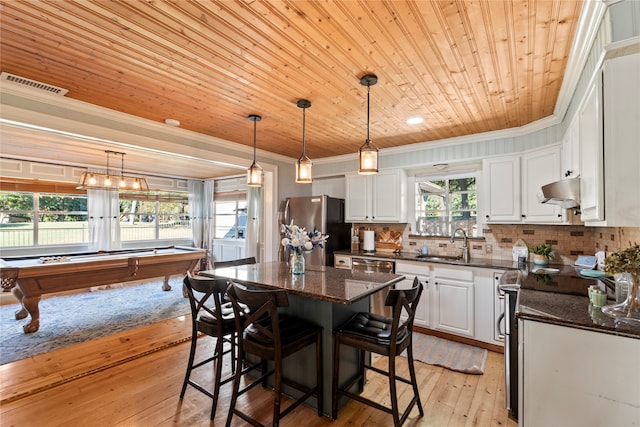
(465, 248)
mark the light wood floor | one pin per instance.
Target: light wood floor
(106, 382)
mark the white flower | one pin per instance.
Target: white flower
(298, 239)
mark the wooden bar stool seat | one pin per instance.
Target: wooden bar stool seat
(387, 336)
(271, 336)
(213, 316)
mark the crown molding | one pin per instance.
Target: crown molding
(591, 16)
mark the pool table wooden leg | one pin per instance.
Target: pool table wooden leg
(166, 286)
(22, 313)
(29, 307)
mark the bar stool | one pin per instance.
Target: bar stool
(211, 316)
(385, 336)
(271, 336)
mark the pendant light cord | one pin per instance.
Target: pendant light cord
(254, 141)
(368, 109)
(304, 133)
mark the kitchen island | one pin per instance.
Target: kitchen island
(577, 366)
(328, 298)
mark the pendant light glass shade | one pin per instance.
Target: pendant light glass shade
(111, 180)
(254, 173)
(368, 151)
(304, 165)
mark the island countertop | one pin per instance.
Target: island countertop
(332, 284)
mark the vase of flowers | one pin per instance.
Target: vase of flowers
(298, 240)
(625, 261)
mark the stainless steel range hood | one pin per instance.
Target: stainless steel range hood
(565, 193)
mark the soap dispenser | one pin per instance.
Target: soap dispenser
(424, 250)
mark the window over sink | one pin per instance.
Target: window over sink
(445, 203)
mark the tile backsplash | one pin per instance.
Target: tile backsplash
(567, 241)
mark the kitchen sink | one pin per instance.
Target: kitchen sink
(428, 257)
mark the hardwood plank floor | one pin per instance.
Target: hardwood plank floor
(134, 379)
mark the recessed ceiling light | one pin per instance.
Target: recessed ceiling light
(172, 122)
(415, 120)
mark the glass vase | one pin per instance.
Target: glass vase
(297, 263)
(629, 310)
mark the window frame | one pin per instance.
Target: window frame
(448, 208)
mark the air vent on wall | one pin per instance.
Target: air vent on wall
(33, 84)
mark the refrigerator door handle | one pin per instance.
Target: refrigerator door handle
(287, 219)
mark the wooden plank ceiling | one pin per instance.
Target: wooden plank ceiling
(465, 66)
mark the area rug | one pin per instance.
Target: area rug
(76, 318)
(449, 354)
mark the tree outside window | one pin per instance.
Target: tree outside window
(444, 204)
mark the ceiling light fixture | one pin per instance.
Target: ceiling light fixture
(368, 151)
(111, 180)
(415, 120)
(254, 173)
(303, 167)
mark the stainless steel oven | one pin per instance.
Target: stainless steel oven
(508, 288)
(368, 265)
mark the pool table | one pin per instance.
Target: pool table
(31, 277)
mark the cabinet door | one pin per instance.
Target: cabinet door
(358, 198)
(570, 157)
(453, 307)
(422, 310)
(486, 305)
(591, 155)
(502, 178)
(423, 272)
(539, 168)
(622, 141)
(388, 197)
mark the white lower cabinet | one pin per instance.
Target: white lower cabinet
(488, 307)
(453, 301)
(574, 377)
(423, 272)
(456, 299)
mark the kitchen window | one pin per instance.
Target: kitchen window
(445, 203)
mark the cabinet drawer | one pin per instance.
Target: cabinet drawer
(414, 268)
(342, 261)
(458, 274)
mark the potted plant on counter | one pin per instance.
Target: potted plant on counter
(625, 261)
(541, 254)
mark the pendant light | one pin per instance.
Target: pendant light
(254, 173)
(303, 167)
(110, 179)
(368, 151)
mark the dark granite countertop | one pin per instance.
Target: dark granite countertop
(332, 284)
(413, 256)
(571, 310)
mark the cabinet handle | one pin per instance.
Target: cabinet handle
(559, 215)
(486, 216)
(523, 216)
(568, 173)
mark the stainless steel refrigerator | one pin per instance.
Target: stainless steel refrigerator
(327, 215)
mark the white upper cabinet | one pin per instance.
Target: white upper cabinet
(570, 156)
(513, 183)
(591, 155)
(376, 198)
(502, 180)
(622, 142)
(539, 168)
